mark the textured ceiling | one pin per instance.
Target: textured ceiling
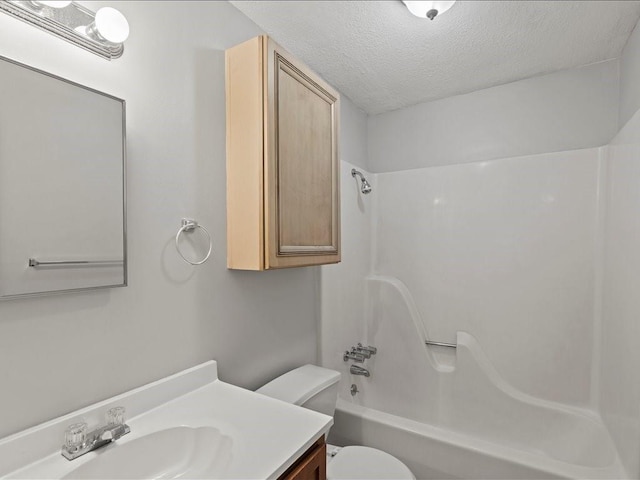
(384, 58)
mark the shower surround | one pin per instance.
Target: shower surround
(528, 265)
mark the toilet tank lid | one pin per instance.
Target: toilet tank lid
(299, 385)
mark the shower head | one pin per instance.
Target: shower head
(365, 188)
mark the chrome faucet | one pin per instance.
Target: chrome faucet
(365, 353)
(353, 355)
(356, 370)
(77, 441)
(366, 350)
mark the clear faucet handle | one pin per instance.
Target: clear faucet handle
(75, 436)
(115, 416)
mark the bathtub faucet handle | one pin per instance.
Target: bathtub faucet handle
(371, 350)
(362, 351)
(353, 355)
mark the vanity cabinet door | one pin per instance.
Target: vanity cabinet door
(311, 466)
(283, 202)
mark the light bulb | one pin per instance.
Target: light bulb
(111, 25)
(428, 9)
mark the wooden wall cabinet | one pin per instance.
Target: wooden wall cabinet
(283, 200)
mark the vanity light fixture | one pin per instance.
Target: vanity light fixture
(102, 32)
(110, 26)
(39, 5)
(428, 9)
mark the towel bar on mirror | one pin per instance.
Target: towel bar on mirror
(74, 263)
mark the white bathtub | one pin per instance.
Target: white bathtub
(450, 414)
(438, 453)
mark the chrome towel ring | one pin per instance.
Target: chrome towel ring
(189, 225)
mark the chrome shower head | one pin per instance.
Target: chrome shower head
(365, 188)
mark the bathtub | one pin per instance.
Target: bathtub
(437, 453)
(450, 414)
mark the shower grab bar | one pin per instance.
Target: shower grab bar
(441, 344)
(80, 263)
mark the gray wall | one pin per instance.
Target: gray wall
(62, 352)
(630, 78)
(353, 139)
(566, 110)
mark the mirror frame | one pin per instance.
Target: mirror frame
(124, 189)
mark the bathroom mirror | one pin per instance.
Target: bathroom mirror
(62, 188)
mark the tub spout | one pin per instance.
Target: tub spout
(356, 370)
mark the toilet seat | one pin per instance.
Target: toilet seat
(365, 463)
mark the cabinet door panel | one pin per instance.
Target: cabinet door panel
(304, 165)
(304, 217)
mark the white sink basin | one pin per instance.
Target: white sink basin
(179, 452)
(187, 425)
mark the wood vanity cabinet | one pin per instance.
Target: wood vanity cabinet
(282, 161)
(310, 466)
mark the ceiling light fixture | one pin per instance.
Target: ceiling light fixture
(428, 9)
(102, 33)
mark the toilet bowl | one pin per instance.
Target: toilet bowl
(316, 388)
(364, 463)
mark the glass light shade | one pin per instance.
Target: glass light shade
(421, 8)
(54, 4)
(112, 25)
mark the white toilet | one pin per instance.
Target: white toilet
(316, 388)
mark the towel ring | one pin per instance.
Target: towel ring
(189, 225)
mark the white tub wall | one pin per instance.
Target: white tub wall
(566, 110)
(503, 250)
(620, 389)
(60, 353)
(343, 287)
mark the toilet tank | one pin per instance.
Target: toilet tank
(309, 386)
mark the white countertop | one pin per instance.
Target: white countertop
(267, 435)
